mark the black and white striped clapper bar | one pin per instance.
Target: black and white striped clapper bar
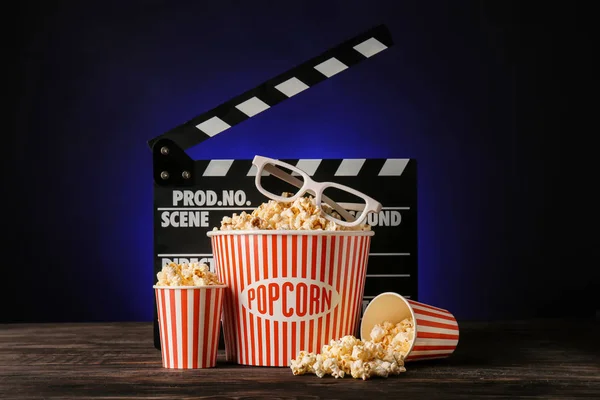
(192, 196)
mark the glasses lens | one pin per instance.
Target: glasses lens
(280, 181)
(352, 206)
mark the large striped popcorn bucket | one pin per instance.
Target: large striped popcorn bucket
(189, 318)
(436, 330)
(288, 290)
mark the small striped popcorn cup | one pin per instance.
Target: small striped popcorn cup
(436, 329)
(189, 320)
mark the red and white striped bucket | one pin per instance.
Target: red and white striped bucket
(189, 318)
(288, 291)
(436, 329)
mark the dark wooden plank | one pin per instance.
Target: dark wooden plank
(548, 359)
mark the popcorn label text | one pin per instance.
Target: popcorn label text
(290, 299)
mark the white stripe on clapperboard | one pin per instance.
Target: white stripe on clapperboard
(291, 87)
(372, 297)
(348, 167)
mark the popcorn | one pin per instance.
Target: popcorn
(303, 363)
(378, 333)
(397, 337)
(193, 274)
(381, 356)
(301, 214)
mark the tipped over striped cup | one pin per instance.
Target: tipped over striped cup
(189, 319)
(436, 329)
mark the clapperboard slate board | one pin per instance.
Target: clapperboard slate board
(192, 196)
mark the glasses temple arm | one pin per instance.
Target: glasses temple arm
(298, 183)
(338, 208)
(283, 176)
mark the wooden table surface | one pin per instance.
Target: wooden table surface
(544, 359)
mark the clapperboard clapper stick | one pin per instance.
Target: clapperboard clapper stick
(192, 196)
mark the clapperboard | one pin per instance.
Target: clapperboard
(192, 196)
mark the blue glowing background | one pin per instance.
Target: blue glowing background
(95, 82)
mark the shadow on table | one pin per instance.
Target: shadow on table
(482, 348)
(507, 344)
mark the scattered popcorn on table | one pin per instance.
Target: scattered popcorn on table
(302, 214)
(193, 274)
(381, 356)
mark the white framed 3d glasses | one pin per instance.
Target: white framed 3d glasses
(299, 183)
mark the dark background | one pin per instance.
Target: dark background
(493, 98)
